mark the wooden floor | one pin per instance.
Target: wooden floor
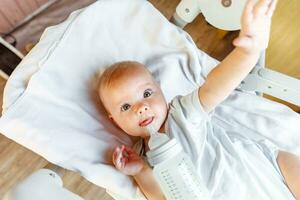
(16, 162)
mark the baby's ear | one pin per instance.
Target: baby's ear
(111, 118)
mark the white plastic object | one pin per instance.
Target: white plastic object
(273, 83)
(186, 12)
(223, 14)
(173, 169)
(44, 184)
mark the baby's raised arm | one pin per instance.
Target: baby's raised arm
(253, 39)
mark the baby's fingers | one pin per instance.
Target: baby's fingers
(248, 11)
(261, 7)
(117, 155)
(119, 163)
(272, 7)
(120, 157)
(265, 7)
(129, 150)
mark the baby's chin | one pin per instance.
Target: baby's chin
(141, 133)
(145, 134)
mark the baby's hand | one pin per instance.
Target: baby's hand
(255, 25)
(127, 160)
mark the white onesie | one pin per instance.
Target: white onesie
(231, 165)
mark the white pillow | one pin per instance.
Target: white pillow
(50, 101)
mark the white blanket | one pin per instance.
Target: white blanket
(50, 101)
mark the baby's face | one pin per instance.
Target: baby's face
(135, 101)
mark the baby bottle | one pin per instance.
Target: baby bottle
(173, 169)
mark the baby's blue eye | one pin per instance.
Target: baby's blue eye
(125, 107)
(147, 93)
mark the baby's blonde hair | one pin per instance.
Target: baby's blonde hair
(114, 72)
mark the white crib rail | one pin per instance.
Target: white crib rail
(273, 83)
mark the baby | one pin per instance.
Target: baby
(231, 166)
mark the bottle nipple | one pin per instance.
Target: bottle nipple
(156, 139)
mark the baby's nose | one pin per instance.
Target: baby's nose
(142, 109)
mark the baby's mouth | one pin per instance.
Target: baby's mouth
(146, 121)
